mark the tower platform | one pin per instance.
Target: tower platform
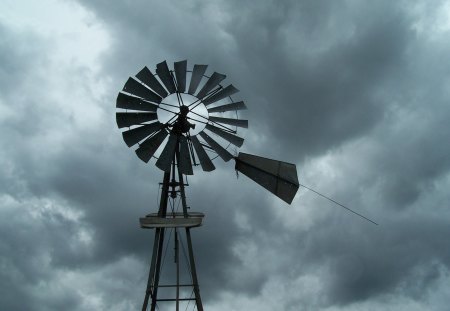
(171, 220)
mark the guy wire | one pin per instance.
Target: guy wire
(341, 205)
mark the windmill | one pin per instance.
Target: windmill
(184, 118)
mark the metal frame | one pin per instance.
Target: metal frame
(172, 179)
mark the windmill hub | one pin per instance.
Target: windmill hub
(182, 125)
(184, 110)
(185, 106)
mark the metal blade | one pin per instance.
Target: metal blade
(164, 74)
(278, 177)
(229, 107)
(148, 148)
(125, 101)
(125, 119)
(205, 161)
(180, 74)
(221, 151)
(135, 88)
(228, 91)
(132, 137)
(165, 159)
(147, 77)
(184, 162)
(212, 82)
(235, 140)
(230, 121)
(197, 75)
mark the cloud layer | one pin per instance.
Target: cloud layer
(355, 94)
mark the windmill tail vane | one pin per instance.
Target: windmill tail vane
(278, 177)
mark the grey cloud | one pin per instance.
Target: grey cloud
(353, 83)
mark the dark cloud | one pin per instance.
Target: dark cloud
(354, 94)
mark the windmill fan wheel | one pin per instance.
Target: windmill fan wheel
(183, 109)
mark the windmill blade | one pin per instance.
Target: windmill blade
(125, 119)
(125, 101)
(180, 75)
(197, 75)
(228, 107)
(278, 177)
(164, 74)
(221, 151)
(230, 121)
(228, 91)
(205, 161)
(165, 159)
(135, 88)
(234, 139)
(147, 77)
(148, 148)
(132, 137)
(212, 82)
(185, 164)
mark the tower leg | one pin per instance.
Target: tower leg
(198, 299)
(177, 262)
(153, 277)
(158, 244)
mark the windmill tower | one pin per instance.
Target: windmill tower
(183, 126)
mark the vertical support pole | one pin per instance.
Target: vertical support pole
(198, 299)
(177, 257)
(158, 244)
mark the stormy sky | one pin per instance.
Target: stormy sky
(355, 93)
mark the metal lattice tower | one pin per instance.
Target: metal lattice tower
(173, 186)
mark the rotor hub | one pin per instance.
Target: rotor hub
(182, 125)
